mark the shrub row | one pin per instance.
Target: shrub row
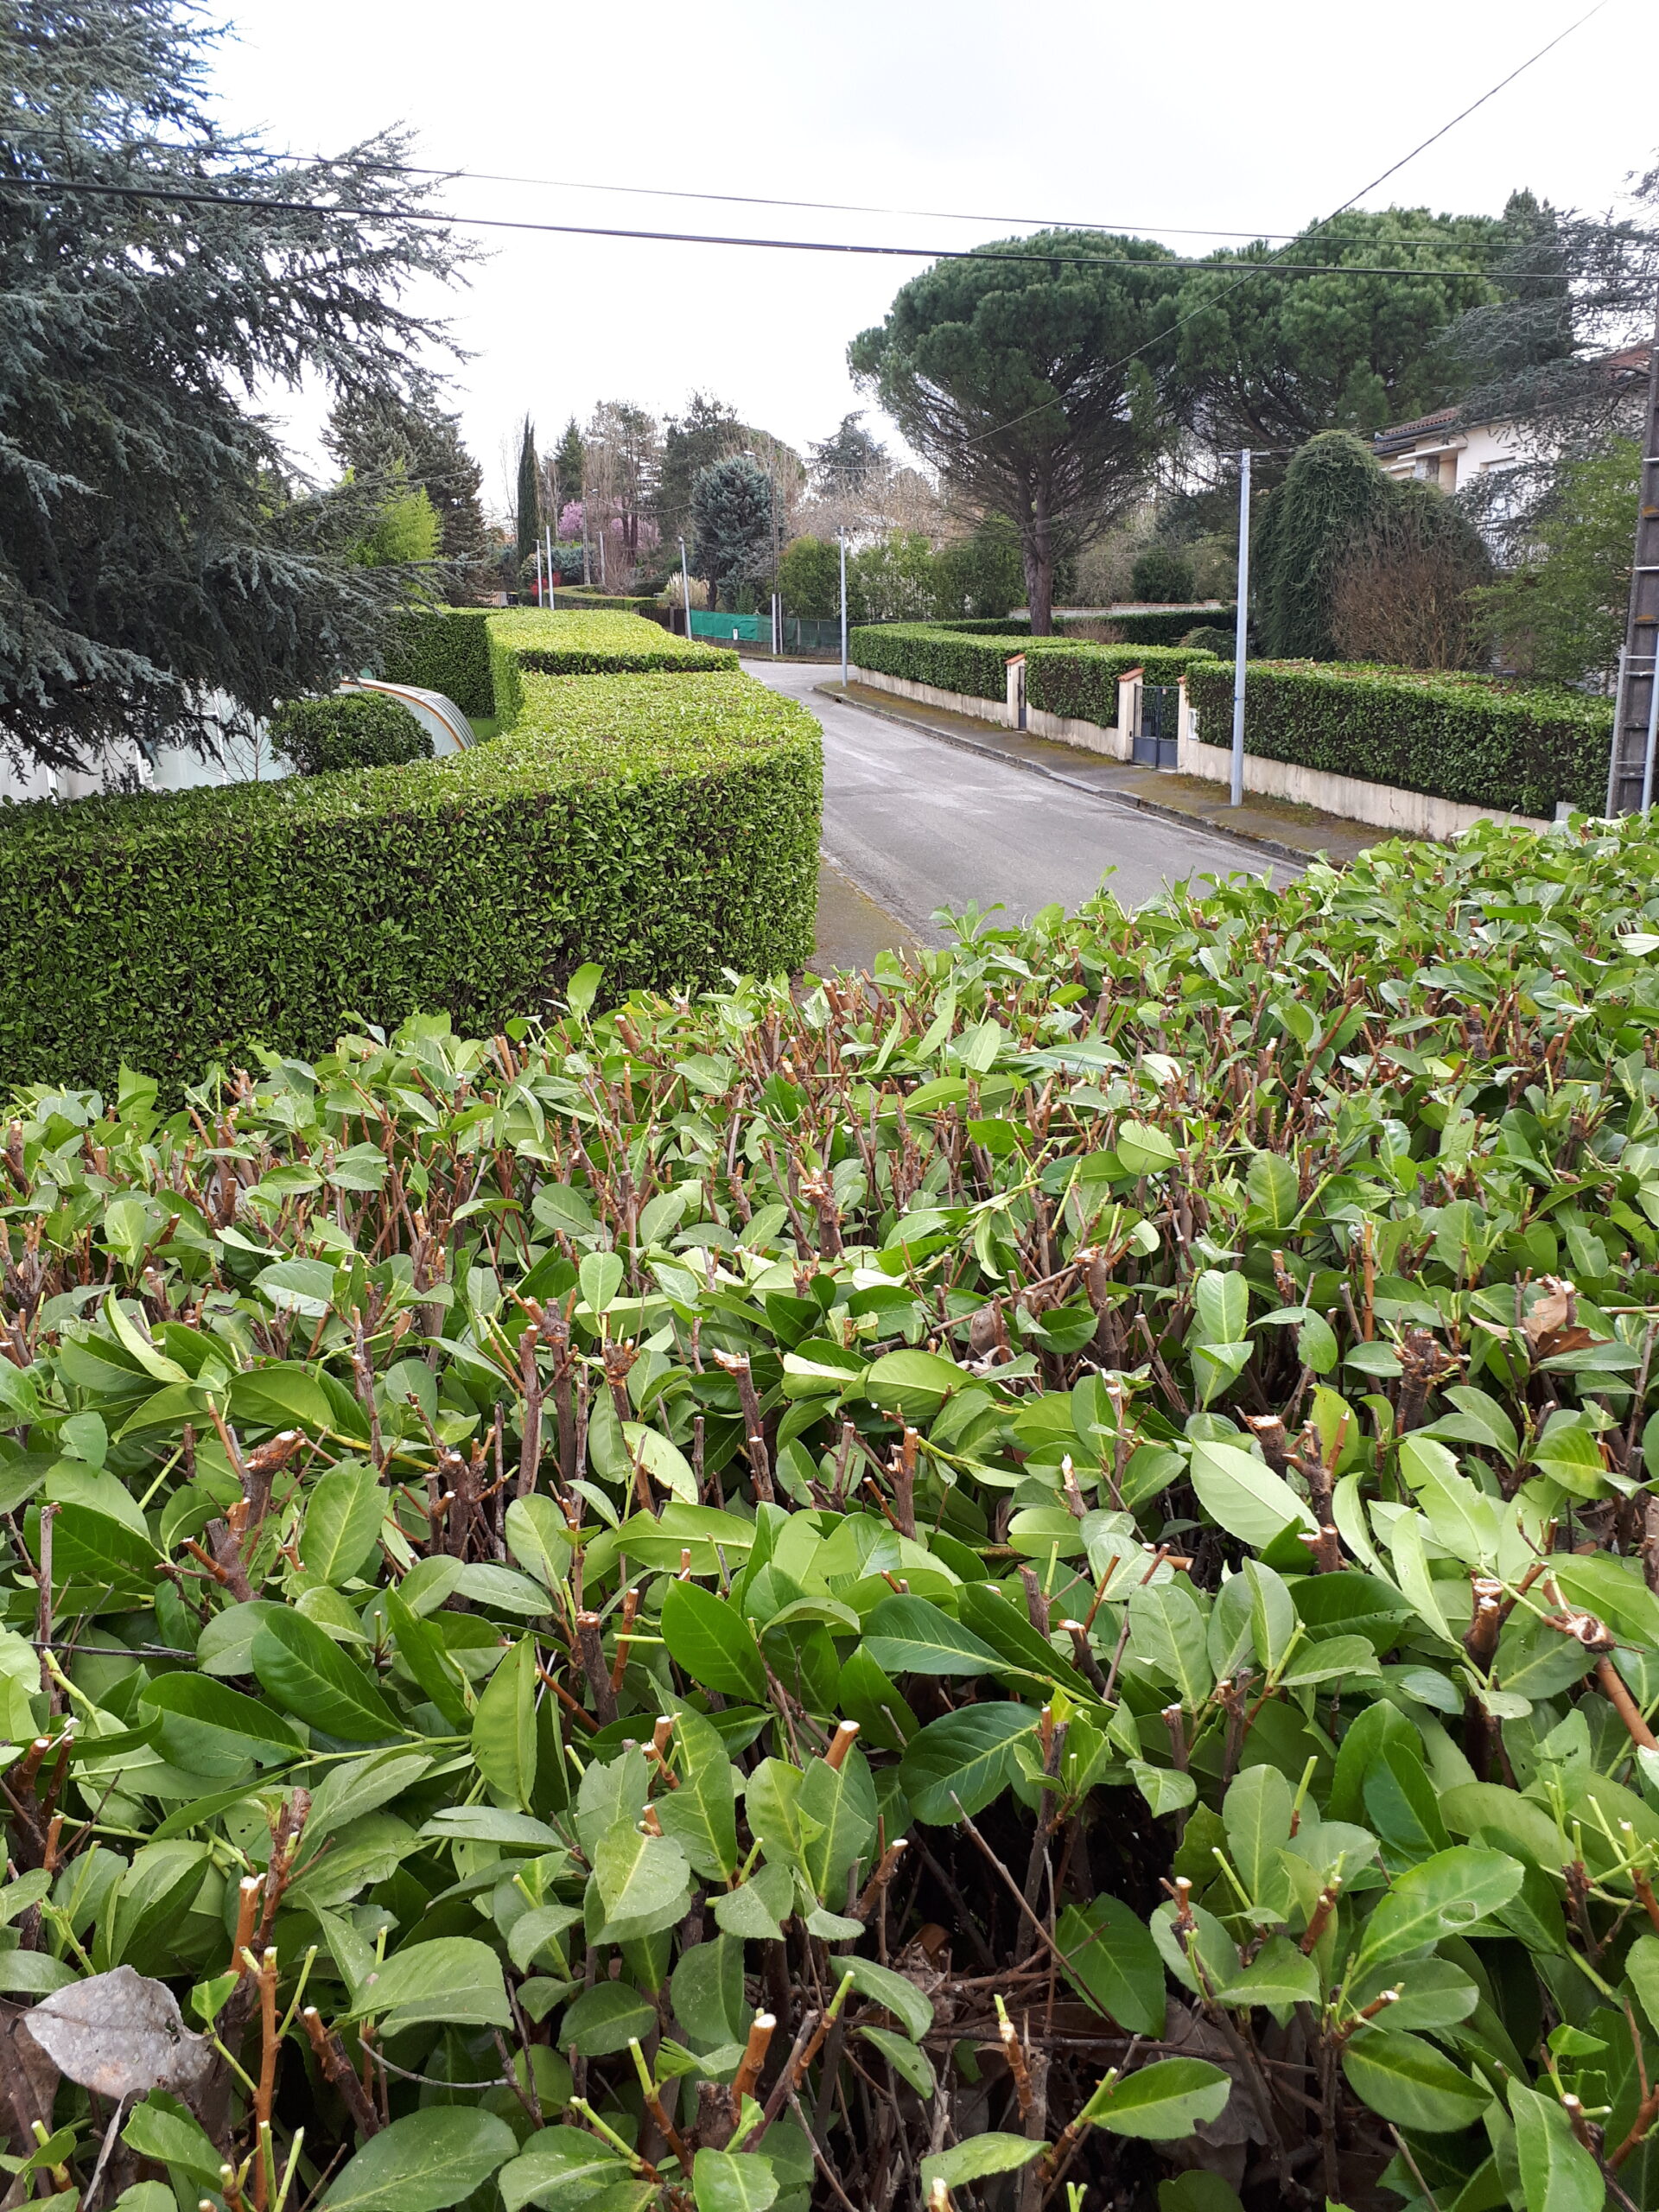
(1168, 628)
(1519, 748)
(593, 642)
(1083, 682)
(454, 650)
(352, 730)
(928, 653)
(666, 830)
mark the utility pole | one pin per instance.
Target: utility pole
(1241, 624)
(1636, 708)
(685, 587)
(842, 535)
(548, 533)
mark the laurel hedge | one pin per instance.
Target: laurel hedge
(594, 642)
(928, 653)
(1083, 683)
(454, 650)
(1520, 748)
(666, 830)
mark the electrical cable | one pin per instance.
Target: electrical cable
(167, 195)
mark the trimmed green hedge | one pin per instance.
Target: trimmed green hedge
(981, 626)
(545, 642)
(1083, 682)
(928, 653)
(1168, 628)
(350, 729)
(585, 595)
(666, 830)
(1518, 748)
(454, 650)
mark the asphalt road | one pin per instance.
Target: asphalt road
(917, 824)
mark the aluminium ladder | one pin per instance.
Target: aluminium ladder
(1636, 713)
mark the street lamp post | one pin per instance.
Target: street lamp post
(842, 535)
(1240, 626)
(685, 587)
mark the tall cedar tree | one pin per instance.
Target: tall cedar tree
(1041, 390)
(159, 572)
(708, 431)
(528, 519)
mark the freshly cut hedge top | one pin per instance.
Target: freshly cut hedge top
(549, 643)
(1519, 747)
(950, 660)
(1070, 1521)
(666, 830)
(452, 649)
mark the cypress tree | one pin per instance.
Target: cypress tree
(530, 497)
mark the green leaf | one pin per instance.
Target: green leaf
(732, 2181)
(504, 1726)
(707, 1991)
(423, 2163)
(1256, 1814)
(606, 2018)
(1271, 1183)
(539, 1538)
(452, 1978)
(1167, 1635)
(1278, 1974)
(1244, 1495)
(1442, 1896)
(700, 1814)
(560, 2167)
(1410, 2083)
(892, 1992)
(310, 1676)
(161, 2129)
(757, 1908)
(601, 1276)
(202, 1719)
(342, 1524)
(838, 1819)
(957, 1763)
(713, 1643)
(1112, 1959)
(910, 2064)
(977, 2157)
(912, 1636)
(1160, 2102)
(643, 1881)
(1557, 2173)
(423, 1652)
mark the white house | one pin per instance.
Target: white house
(1444, 450)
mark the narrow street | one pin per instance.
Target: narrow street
(913, 822)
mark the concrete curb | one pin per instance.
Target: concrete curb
(1130, 801)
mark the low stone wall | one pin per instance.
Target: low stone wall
(930, 695)
(1066, 730)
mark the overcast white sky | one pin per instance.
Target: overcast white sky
(1201, 114)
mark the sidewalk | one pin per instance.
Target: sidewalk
(1296, 833)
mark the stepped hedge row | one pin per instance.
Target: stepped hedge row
(1025, 1580)
(455, 651)
(546, 642)
(1518, 748)
(666, 829)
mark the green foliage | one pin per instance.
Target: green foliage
(458, 653)
(1167, 629)
(734, 525)
(1062, 675)
(406, 530)
(1211, 637)
(1561, 615)
(1162, 574)
(982, 576)
(384, 440)
(527, 513)
(583, 643)
(1269, 363)
(1082, 682)
(481, 1478)
(662, 828)
(1332, 492)
(361, 729)
(808, 576)
(1521, 748)
(163, 573)
(1039, 388)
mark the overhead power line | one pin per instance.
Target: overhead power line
(166, 195)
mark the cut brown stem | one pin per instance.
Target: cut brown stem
(338, 2071)
(591, 1648)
